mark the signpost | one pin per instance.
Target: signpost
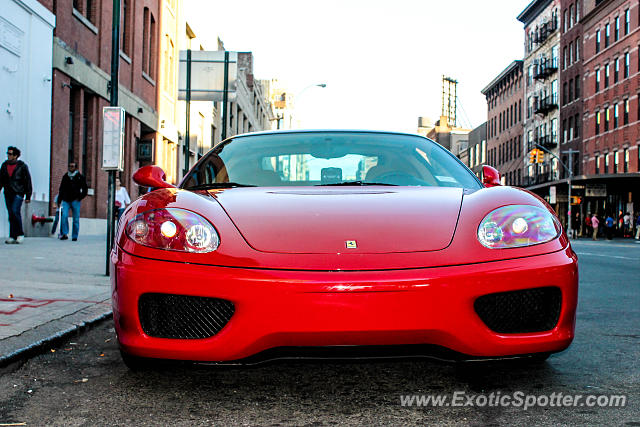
(113, 136)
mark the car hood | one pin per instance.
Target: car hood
(343, 220)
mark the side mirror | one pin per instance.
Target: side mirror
(151, 176)
(490, 176)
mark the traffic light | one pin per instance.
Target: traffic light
(540, 156)
(533, 155)
(576, 200)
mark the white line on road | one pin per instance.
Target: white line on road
(608, 256)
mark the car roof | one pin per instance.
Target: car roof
(288, 131)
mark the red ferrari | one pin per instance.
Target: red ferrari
(334, 243)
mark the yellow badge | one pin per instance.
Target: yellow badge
(351, 244)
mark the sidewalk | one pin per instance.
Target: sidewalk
(48, 289)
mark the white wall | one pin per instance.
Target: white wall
(26, 46)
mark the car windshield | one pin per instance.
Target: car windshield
(326, 159)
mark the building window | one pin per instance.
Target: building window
(565, 98)
(577, 11)
(616, 30)
(565, 21)
(616, 70)
(554, 131)
(626, 65)
(597, 41)
(625, 117)
(571, 98)
(597, 122)
(627, 19)
(606, 163)
(570, 53)
(615, 116)
(87, 8)
(570, 128)
(597, 80)
(145, 40)
(576, 132)
(564, 130)
(519, 110)
(571, 22)
(626, 160)
(607, 34)
(577, 88)
(564, 58)
(606, 75)
(577, 49)
(125, 21)
(615, 161)
(606, 119)
(148, 43)
(597, 164)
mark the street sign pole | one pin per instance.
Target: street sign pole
(187, 136)
(569, 177)
(115, 65)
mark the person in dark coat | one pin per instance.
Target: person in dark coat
(73, 188)
(16, 181)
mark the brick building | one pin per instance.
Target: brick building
(611, 106)
(504, 148)
(541, 97)
(571, 82)
(81, 76)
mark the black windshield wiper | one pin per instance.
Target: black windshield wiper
(356, 183)
(215, 185)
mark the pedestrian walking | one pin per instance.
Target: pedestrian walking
(73, 188)
(627, 225)
(594, 223)
(608, 227)
(638, 227)
(122, 198)
(587, 223)
(16, 181)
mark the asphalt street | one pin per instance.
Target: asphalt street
(83, 381)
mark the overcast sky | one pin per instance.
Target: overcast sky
(382, 60)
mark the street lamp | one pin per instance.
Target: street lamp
(299, 94)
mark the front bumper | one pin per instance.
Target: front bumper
(284, 308)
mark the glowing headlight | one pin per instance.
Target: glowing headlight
(516, 226)
(173, 229)
(168, 229)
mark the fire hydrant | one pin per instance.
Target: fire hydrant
(35, 219)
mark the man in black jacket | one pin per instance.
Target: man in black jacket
(16, 181)
(73, 188)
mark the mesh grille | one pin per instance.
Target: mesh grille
(528, 310)
(183, 316)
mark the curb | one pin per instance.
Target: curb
(37, 346)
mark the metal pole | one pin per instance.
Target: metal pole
(115, 66)
(187, 137)
(225, 95)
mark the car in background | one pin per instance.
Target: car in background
(356, 243)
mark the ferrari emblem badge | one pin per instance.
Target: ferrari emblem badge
(351, 244)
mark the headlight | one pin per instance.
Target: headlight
(516, 226)
(174, 230)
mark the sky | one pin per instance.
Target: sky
(382, 61)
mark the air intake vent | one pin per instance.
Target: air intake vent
(183, 316)
(528, 310)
